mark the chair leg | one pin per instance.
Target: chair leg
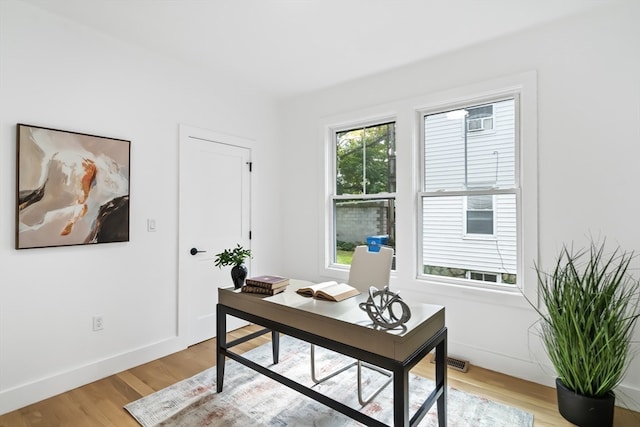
(331, 375)
(363, 401)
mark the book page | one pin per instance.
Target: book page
(311, 290)
(336, 292)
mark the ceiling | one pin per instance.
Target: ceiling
(287, 47)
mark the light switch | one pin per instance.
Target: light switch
(151, 225)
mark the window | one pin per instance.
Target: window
(479, 215)
(469, 196)
(365, 184)
(480, 118)
(485, 277)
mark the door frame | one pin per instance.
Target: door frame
(187, 132)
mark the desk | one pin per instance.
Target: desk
(344, 328)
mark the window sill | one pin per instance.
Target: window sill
(480, 237)
(512, 297)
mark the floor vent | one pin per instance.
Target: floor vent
(455, 363)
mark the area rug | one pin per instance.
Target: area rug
(251, 399)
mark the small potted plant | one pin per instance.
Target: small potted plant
(590, 310)
(234, 257)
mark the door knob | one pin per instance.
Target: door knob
(194, 251)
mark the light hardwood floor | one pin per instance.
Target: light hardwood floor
(101, 403)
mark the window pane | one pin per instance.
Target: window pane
(482, 202)
(355, 220)
(365, 160)
(475, 275)
(479, 112)
(446, 251)
(456, 159)
(349, 162)
(480, 222)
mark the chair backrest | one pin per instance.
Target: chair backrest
(370, 268)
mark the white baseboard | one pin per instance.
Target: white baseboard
(515, 367)
(26, 394)
(626, 396)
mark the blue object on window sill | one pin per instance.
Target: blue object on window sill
(374, 242)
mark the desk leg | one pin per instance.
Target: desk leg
(275, 345)
(221, 345)
(441, 380)
(401, 397)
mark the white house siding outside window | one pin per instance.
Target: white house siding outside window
(363, 199)
(470, 193)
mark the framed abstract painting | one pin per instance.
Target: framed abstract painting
(72, 188)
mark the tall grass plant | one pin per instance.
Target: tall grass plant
(590, 311)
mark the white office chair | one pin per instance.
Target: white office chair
(367, 269)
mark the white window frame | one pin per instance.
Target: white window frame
(328, 264)
(523, 86)
(406, 114)
(471, 191)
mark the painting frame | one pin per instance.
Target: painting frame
(72, 188)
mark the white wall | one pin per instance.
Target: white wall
(588, 70)
(59, 74)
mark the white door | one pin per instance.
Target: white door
(214, 214)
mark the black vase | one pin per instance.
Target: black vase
(585, 411)
(238, 274)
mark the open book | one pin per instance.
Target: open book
(332, 291)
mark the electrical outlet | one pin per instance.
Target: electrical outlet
(98, 323)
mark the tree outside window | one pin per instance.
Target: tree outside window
(365, 185)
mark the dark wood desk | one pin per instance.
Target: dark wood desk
(344, 328)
